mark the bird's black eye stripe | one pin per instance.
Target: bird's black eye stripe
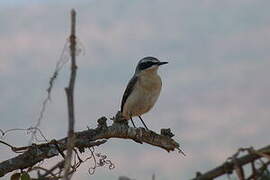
(146, 65)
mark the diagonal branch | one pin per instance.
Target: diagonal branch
(229, 166)
(84, 139)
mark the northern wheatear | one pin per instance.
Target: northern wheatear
(142, 90)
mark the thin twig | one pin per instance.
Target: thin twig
(70, 96)
(44, 169)
(58, 165)
(16, 149)
(7, 144)
(59, 65)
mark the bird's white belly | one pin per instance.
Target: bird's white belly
(141, 100)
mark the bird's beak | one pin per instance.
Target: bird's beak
(161, 63)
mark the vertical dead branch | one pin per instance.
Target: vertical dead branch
(70, 96)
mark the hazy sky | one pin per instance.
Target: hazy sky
(215, 94)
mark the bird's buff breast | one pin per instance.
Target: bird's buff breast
(144, 96)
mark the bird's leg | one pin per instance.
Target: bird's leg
(132, 121)
(143, 123)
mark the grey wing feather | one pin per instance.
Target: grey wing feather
(128, 90)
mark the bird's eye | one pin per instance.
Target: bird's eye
(146, 65)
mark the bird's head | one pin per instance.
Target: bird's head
(149, 64)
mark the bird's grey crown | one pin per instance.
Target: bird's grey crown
(145, 63)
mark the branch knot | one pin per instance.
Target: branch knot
(166, 132)
(102, 123)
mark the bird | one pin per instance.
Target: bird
(142, 90)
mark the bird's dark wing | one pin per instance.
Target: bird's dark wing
(128, 90)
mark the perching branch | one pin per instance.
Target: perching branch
(70, 96)
(88, 138)
(229, 166)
